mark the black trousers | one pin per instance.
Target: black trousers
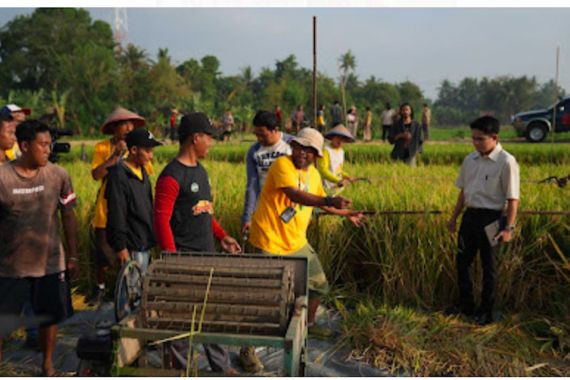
(386, 131)
(472, 239)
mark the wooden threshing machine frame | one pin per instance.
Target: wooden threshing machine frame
(131, 336)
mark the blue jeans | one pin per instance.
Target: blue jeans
(142, 258)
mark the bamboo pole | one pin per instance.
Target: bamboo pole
(315, 71)
(439, 212)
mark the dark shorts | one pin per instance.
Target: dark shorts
(105, 256)
(49, 295)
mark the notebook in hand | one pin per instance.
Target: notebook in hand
(491, 230)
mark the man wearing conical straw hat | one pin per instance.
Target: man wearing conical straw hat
(106, 154)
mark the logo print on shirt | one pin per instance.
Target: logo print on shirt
(194, 187)
(203, 207)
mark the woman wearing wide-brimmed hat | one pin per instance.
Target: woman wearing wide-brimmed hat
(106, 154)
(331, 164)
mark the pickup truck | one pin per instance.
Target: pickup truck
(536, 125)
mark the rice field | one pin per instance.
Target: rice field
(392, 277)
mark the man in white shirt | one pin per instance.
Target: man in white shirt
(489, 182)
(271, 144)
(387, 121)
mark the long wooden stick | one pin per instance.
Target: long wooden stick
(438, 212)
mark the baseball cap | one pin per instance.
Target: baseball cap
(310, 137)
(9, 108)
(142, 138)
(196, 122)
(6, 117)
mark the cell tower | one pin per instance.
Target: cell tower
(121, 29)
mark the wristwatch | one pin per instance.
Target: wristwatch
(328, 201)
(509, 227)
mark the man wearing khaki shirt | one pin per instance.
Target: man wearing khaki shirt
(489, 182)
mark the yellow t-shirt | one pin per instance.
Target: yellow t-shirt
(136, 171)
(102, 152)
(268, 231)
(12, 153)
(331, 167)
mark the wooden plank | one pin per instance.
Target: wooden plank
(197, 295)
(215, 326)
(150, 335)
(149, 372)
(129, 349)
(220, 270)
(196, 279)
(237, 319)
(294, 341)
(222, 308)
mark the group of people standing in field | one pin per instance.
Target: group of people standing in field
(287, 177)
(397, 126)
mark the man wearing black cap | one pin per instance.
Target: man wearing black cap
(129, 201)
(183, 213)
(19, 114)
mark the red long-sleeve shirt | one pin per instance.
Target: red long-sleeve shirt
(167, 192)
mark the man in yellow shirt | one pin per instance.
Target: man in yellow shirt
(7, 137)
(17, 115)
(292, 188)
(106, 154)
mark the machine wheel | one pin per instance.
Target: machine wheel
(536, 132)
(128, 290)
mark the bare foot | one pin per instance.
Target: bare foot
(48, 372)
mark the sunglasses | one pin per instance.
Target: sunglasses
(305, 149)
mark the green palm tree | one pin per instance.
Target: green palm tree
(346, 66)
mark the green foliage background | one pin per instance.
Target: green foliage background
(62, 58)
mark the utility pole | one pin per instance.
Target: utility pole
(315, 71)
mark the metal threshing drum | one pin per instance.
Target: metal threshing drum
(245, 297)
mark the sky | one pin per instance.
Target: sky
(423, 45)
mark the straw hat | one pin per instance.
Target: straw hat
(339, 130)
(310, 137)
(121, 114)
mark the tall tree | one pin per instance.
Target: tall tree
(133, 86)
(346, 65)
(411, 93)
(32, 47)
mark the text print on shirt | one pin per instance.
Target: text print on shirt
(30, 190)
(264, 160)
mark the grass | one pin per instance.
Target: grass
(407, 342)
(376, 152)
